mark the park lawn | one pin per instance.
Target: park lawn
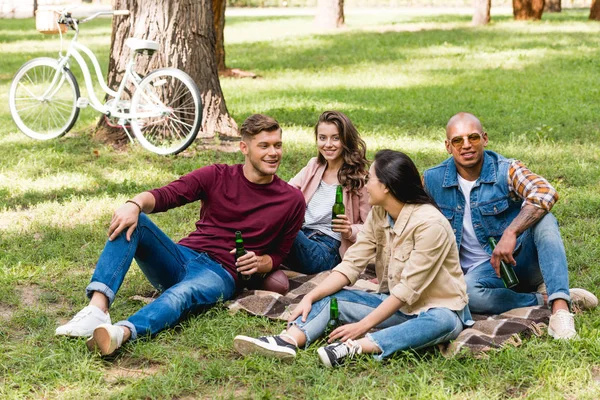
(399, 78)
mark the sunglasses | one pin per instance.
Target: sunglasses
(458, 141)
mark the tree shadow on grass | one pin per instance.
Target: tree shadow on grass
(356, 47)
(517, 96)
(105, 172)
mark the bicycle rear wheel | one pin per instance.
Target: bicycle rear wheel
(40, 110)
(173, 100)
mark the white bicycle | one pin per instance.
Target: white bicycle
(164, 112)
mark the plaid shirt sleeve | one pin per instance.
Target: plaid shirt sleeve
(531, 187)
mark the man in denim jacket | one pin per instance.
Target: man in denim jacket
(511, 204)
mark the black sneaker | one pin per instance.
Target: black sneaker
(270, 346)
(335, 354)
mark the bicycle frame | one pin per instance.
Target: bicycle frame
(75, 49)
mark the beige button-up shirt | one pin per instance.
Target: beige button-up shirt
(416, 260)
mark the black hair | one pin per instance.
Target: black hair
(400, 176)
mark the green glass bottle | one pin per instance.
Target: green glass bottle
(240, 251)
(338, 206)
(507, 272)
(334, 317)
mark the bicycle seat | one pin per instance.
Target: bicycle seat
(141, 45)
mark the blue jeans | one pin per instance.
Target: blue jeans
(541, 258)
(313, 252)
(398, 332)
(189, 281)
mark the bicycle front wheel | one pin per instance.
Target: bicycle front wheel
(166, 111)
(43, 99)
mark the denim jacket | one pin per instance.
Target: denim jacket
(492, 207)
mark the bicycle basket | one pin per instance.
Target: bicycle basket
(46, 21)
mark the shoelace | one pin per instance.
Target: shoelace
(565, 319)
(348, 348)
(79, 316)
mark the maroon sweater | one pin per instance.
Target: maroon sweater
(269, 216)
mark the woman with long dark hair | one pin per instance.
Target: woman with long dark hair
(342, 161)
(421, 299)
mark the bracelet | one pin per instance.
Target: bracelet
(136, 203)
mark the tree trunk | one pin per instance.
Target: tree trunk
(185, 31)
(553, 6)
(595, 10)
(218, 7)
(330, 14)
(528, 9)
(481, 13)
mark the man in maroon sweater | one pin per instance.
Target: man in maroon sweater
(200, 270)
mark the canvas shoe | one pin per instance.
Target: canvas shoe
(582, 300)
(269, 346)
(84, 322)
(107, 339)
(562, 325)
(335, 354)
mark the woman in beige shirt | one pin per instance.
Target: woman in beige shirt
(421, 299)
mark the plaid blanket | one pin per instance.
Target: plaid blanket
(489, 332)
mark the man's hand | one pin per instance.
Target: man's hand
(250, 263)
(303, 308)
(504, 251)
(348, 331)
(124, 217)
(342, 225)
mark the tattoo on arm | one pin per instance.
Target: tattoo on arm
(528, 216)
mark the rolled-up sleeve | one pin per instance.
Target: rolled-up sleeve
(360, 253)
(532, 188)
(431, 246)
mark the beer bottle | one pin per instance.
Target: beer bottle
(507, 272)
(334, 317)
(338, 206)
(240, 251)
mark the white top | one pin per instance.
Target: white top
(471, 253)
(318, 210)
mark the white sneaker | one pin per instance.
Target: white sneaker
(84, 322)
(107, 339)
(582, 300)
(562, 325)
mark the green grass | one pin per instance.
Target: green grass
(399, 78)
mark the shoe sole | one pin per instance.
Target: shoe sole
(553, 334)
(246, 345)
(324, 357)
(101, 341)
(73, 335)
(583, 299)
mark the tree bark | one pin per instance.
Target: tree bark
(481, 13)
(330, 14)
(528, 9)
(553, 6)
(595, 10)
(218, 7)
(185, 31)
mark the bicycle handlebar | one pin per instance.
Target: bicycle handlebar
(113, 12)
